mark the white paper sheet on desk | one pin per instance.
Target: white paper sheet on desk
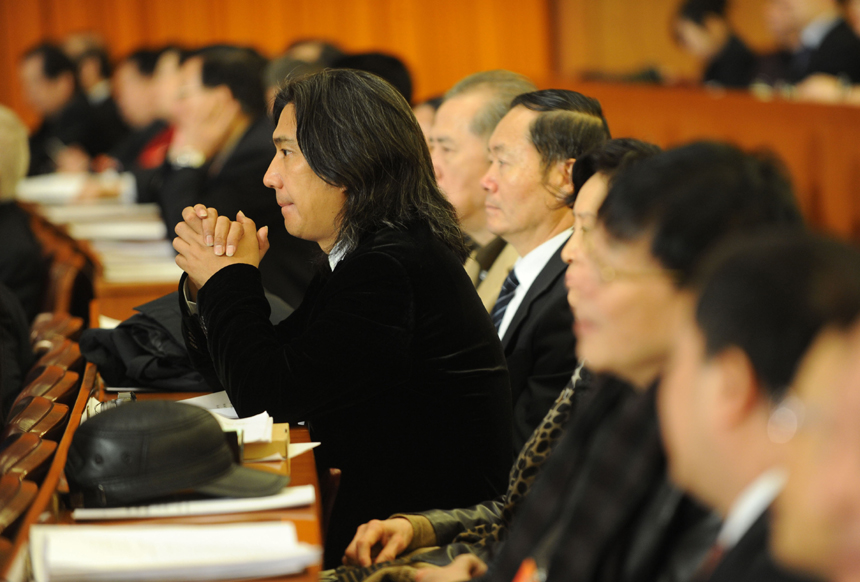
(51, 188)
(97, 211)
(121, 250)
(153, 271)
(217, 402)
(125, 230)
(289, 497)
(72, 553)
(254, 429)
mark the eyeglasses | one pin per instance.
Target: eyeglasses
(790, 416)
(608, 273)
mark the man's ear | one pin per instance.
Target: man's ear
(561, 179)
(738, 391)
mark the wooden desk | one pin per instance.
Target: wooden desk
(46, 507)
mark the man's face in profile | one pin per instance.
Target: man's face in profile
(816, 523)
(460, 156)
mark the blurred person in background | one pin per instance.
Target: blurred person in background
(94, 75)
(703, 30)
(49, 81)
(137, 96)
(221, 146)
(816, 525)
(470, 112)
(314, 51)
(773, 68)
(280, 70)
(384, 66)
(22, 268)
(828, 46)
(425, 113)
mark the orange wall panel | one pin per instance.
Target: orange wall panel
(440, 41)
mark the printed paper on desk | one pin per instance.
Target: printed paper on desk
(216, 402)
(72, 553)
(289, 497)
(254, 429)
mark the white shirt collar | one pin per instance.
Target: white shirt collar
(750, 505)
(336, 255)
(813, 35)
(527, 269)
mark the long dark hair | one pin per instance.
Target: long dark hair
(357, 132)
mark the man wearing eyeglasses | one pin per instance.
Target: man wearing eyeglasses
(724, 418)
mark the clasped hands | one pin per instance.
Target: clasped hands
(377, 541)
(206, 243)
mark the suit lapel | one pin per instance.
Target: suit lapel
(551, 271)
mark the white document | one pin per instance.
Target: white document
(254, 429)
(59, 188)
(97, 211)
(288, 497)
(153, 271)
(116, 230)
(217, 402)
(72, 553)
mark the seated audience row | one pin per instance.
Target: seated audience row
(818, 56)
(613, 313)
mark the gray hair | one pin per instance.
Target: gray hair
(501, 86)
(14, 152)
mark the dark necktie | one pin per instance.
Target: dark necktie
(505, 296)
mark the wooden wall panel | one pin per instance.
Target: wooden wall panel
(441, 41)
(620, 36)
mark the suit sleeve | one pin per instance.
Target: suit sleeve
(358, 339)
(552, 350)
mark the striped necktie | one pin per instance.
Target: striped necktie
(509, 287)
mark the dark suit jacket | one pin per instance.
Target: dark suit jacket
(733, 67)
(750, 559)
(16, 355)
(22, 267)
(601, 508)
(391, 359)
(540, 349)
(288, 266)
(838, 54)
(108, 127)
(71, 126)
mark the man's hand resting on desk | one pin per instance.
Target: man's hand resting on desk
(207, 243)
(378, 541)
(464, 567)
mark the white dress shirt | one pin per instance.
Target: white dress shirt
(813, 35)
(527, 269)
(750, 505)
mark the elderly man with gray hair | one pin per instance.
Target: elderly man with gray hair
(470, 112)
(21, 265)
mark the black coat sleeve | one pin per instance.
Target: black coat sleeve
(360, 329)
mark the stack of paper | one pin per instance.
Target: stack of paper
(57, 188)
(288, 497)
(62, 553)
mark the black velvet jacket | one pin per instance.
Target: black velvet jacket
(391, 359)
